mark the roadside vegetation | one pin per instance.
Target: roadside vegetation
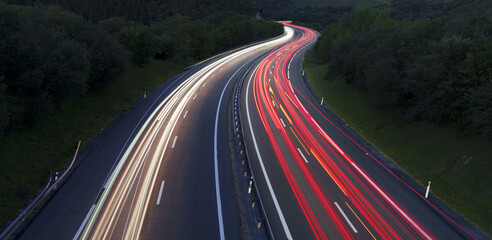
(415, 81)
(64, 77)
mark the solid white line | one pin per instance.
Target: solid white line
(194, 97)
(300, 152)
(267, 179)
(160, 192)
(288, 75)
(282, 122)
(174, 142)
(84, 222)
(186, 113)
(346, 218)
(216, 157)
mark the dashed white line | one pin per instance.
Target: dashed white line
(282, 122)
(186, 113)
(265, 174)
(273, 103)
(194, 97)
(174, 142)
(160, 192)
(204, 84)
(346, 218)
(302, 155)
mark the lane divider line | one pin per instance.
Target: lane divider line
(216, 157)
(186, 113)
(346, 218)
(174, 142)
(194, 97)
(265, 174)
(300, 152)
(160, 193)
(282, 122)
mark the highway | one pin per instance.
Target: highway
(162, 171)
(316, 180)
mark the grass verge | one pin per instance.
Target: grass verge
(26, 157)
(459, 166)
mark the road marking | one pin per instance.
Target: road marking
(204, 84)
(222, 69)
(186, 113)
(216, 156)
(346, 218)
(360, 220)
(76, 237)
(212, 76)
(282, 122)
(194, 97)
(265, 174)
(174, 142)
(288, 75)
(117, 163)
(160, 193)
(300, 152)
(273, 103)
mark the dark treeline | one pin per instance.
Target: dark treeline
(47, 56)
(146, 11)
(183, 39)
(436, 66)
(313, 17)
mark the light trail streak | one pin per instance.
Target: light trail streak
(136, 171)
(386, 217)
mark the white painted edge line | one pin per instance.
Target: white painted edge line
(174, 142)
(346, 218)
(84, 222)
(300, 152)
(160, 193)
(282, 122)
(186, 113)
(216, 157)
(288, 75)
(265, 174)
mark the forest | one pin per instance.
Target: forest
(424, 61)
(49, 56)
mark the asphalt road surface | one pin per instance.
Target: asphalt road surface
(316, 181)
(162, 171)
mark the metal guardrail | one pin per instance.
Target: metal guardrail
(248, 182)
(25, 217)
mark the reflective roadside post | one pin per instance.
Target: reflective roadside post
(428, 188)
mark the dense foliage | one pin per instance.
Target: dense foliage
(48, 56)
(309, 16)
(436, 68)
(148, 10)
(181, 38)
